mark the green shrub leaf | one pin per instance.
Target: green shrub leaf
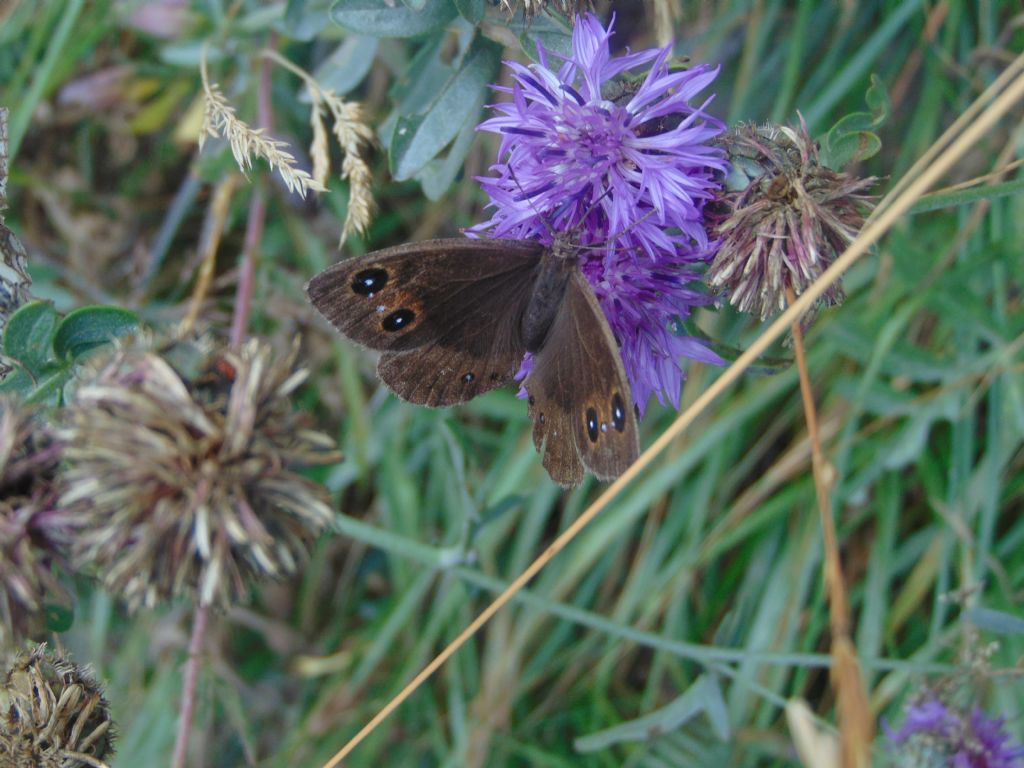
(419, 138)
(377, 18)
(471, 10)
(853, 139)
(87, 328)
(28, 337)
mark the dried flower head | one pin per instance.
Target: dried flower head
(14, 278)
(784, 221)
(936, 733)
(29, 522)
(612, 148)
(180, 476)
(53, 715)
(530, 8)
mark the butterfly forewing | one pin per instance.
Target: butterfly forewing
(446, 313)
(578, 393)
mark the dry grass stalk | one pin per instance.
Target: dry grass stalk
(213, 228)
(856, 725)
(219, 120)
(353, 136)
(989, 108)
(817, 748)
(320, 148)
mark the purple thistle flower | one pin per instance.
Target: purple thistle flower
(627, 165)
(935, 734)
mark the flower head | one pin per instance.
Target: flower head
(934, 733)
(628, 165)
(786, 222)
(14, 278)
(53, 714)
(29, 521)
(531, 8)
(180, 472)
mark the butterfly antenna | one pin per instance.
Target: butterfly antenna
(543, 219)
(546, 221)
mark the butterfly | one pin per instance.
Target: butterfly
(454, 318)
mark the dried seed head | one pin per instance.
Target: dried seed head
(15, 283)
(568, 8)
(53, 715)
(30, 525)
(179, 474)
(783, 221)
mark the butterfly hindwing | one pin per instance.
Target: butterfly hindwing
(578, 393)
(446, 313)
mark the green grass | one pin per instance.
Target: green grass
(710, 563)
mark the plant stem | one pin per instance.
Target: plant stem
(191, 680)
(256, 220)
(856, 727)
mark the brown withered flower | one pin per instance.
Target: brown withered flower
(179, 472)
(783, 218)
(29, 522)
(53, 715)
(530, 8)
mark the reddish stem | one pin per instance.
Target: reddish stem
(256, 219)
(247, 274)
(191, 680)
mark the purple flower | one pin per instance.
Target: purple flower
(936, 734)
(626, 163)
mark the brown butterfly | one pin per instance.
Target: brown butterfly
(454, 318)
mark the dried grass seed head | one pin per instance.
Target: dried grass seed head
(783, 218)
(183, 484)
(30, 524)
(530, 8)
(53, 715)
(220, 120)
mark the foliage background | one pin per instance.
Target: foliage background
(711, 562)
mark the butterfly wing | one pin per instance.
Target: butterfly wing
(578, 394)
(447, 314)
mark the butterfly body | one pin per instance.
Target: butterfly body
(454, 318)
(554, 272)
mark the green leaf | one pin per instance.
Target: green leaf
(543, 32)
(58, 617)
(85, 329)
(437, 175)
(423, 77)
(377, 18)
(49, 388)
(851, 147)
(852, 138)
(18, 383)
(877, 99)
(28, 337)
(346, 67)
(704, 695)
(939, 200)
(304, 19)
(471, 10)
(417, 139)
(997, 622)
